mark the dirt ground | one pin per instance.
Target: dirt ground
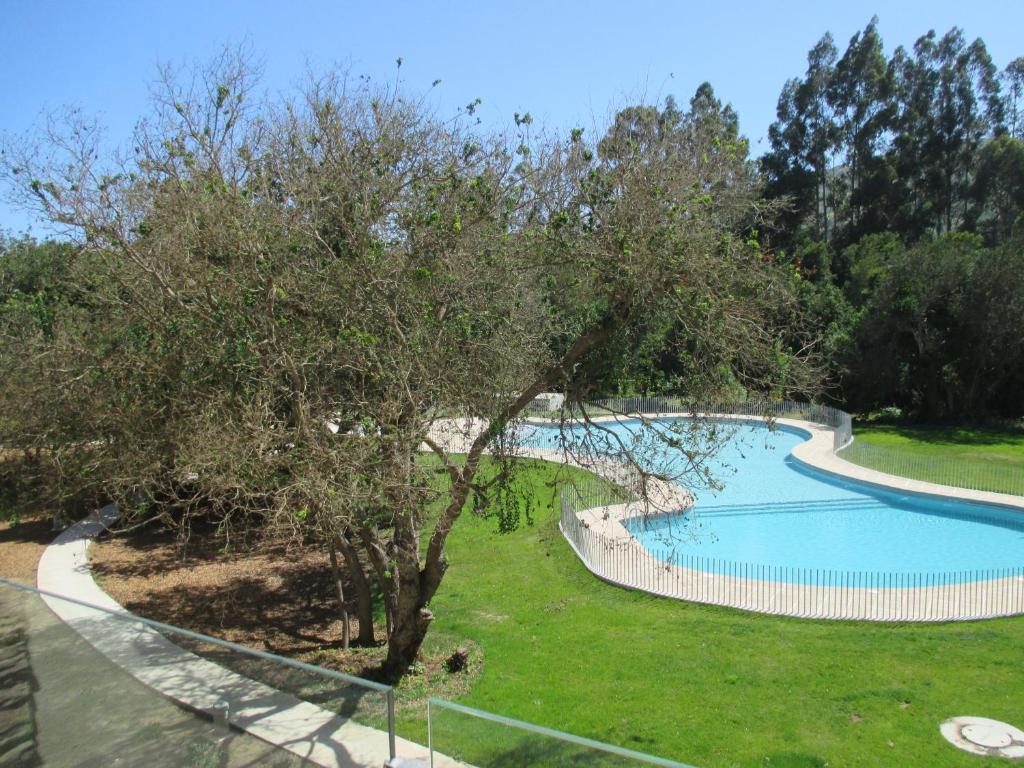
(278, 599)
(21, 546)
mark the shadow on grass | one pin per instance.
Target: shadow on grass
(795, 760)
(548, 753)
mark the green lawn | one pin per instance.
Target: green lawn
(986, 459)
(704, 685)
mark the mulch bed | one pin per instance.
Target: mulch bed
(21, 545)
(276, 598)
(279, 599)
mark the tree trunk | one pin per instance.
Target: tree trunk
(340, 585)
(406, 638)
(388, 582)
(411, 618)
(409, 588)
(934, 400)
(361, 587)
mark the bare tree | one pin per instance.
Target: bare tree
(294, 294)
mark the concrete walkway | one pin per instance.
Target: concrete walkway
(86, 712)
(314, 735)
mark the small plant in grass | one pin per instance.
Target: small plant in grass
(458, 661)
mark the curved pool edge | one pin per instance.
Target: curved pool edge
(607, 548)
(818, 454)
(817, 451)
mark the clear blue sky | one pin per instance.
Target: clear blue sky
(568, 63)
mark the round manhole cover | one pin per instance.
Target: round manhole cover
(991, 736)
(983, 736)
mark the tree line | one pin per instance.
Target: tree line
(903, 179)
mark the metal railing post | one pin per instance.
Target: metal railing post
(430, 733)
(392, 746)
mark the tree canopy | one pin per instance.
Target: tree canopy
(282, 298)
(881, 163)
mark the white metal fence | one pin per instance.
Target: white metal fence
(802, 592)
(610, 551)
(988, 476)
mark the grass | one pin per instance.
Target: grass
(704, 685)
(985, 459)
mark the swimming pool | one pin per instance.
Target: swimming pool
(775, 512)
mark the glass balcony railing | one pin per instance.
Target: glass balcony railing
(465, 737)
(85, 686)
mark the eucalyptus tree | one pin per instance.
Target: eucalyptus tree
(294, 294)
(1013, 82)
(948, 102)
(805, 145)
(861, 94)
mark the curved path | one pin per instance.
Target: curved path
(315, 735)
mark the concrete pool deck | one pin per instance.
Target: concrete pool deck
(600, 538)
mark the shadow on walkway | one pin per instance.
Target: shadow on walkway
(86, 712)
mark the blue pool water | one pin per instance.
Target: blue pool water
(774, 511)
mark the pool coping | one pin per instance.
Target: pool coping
(638, 569)
(829, 462)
